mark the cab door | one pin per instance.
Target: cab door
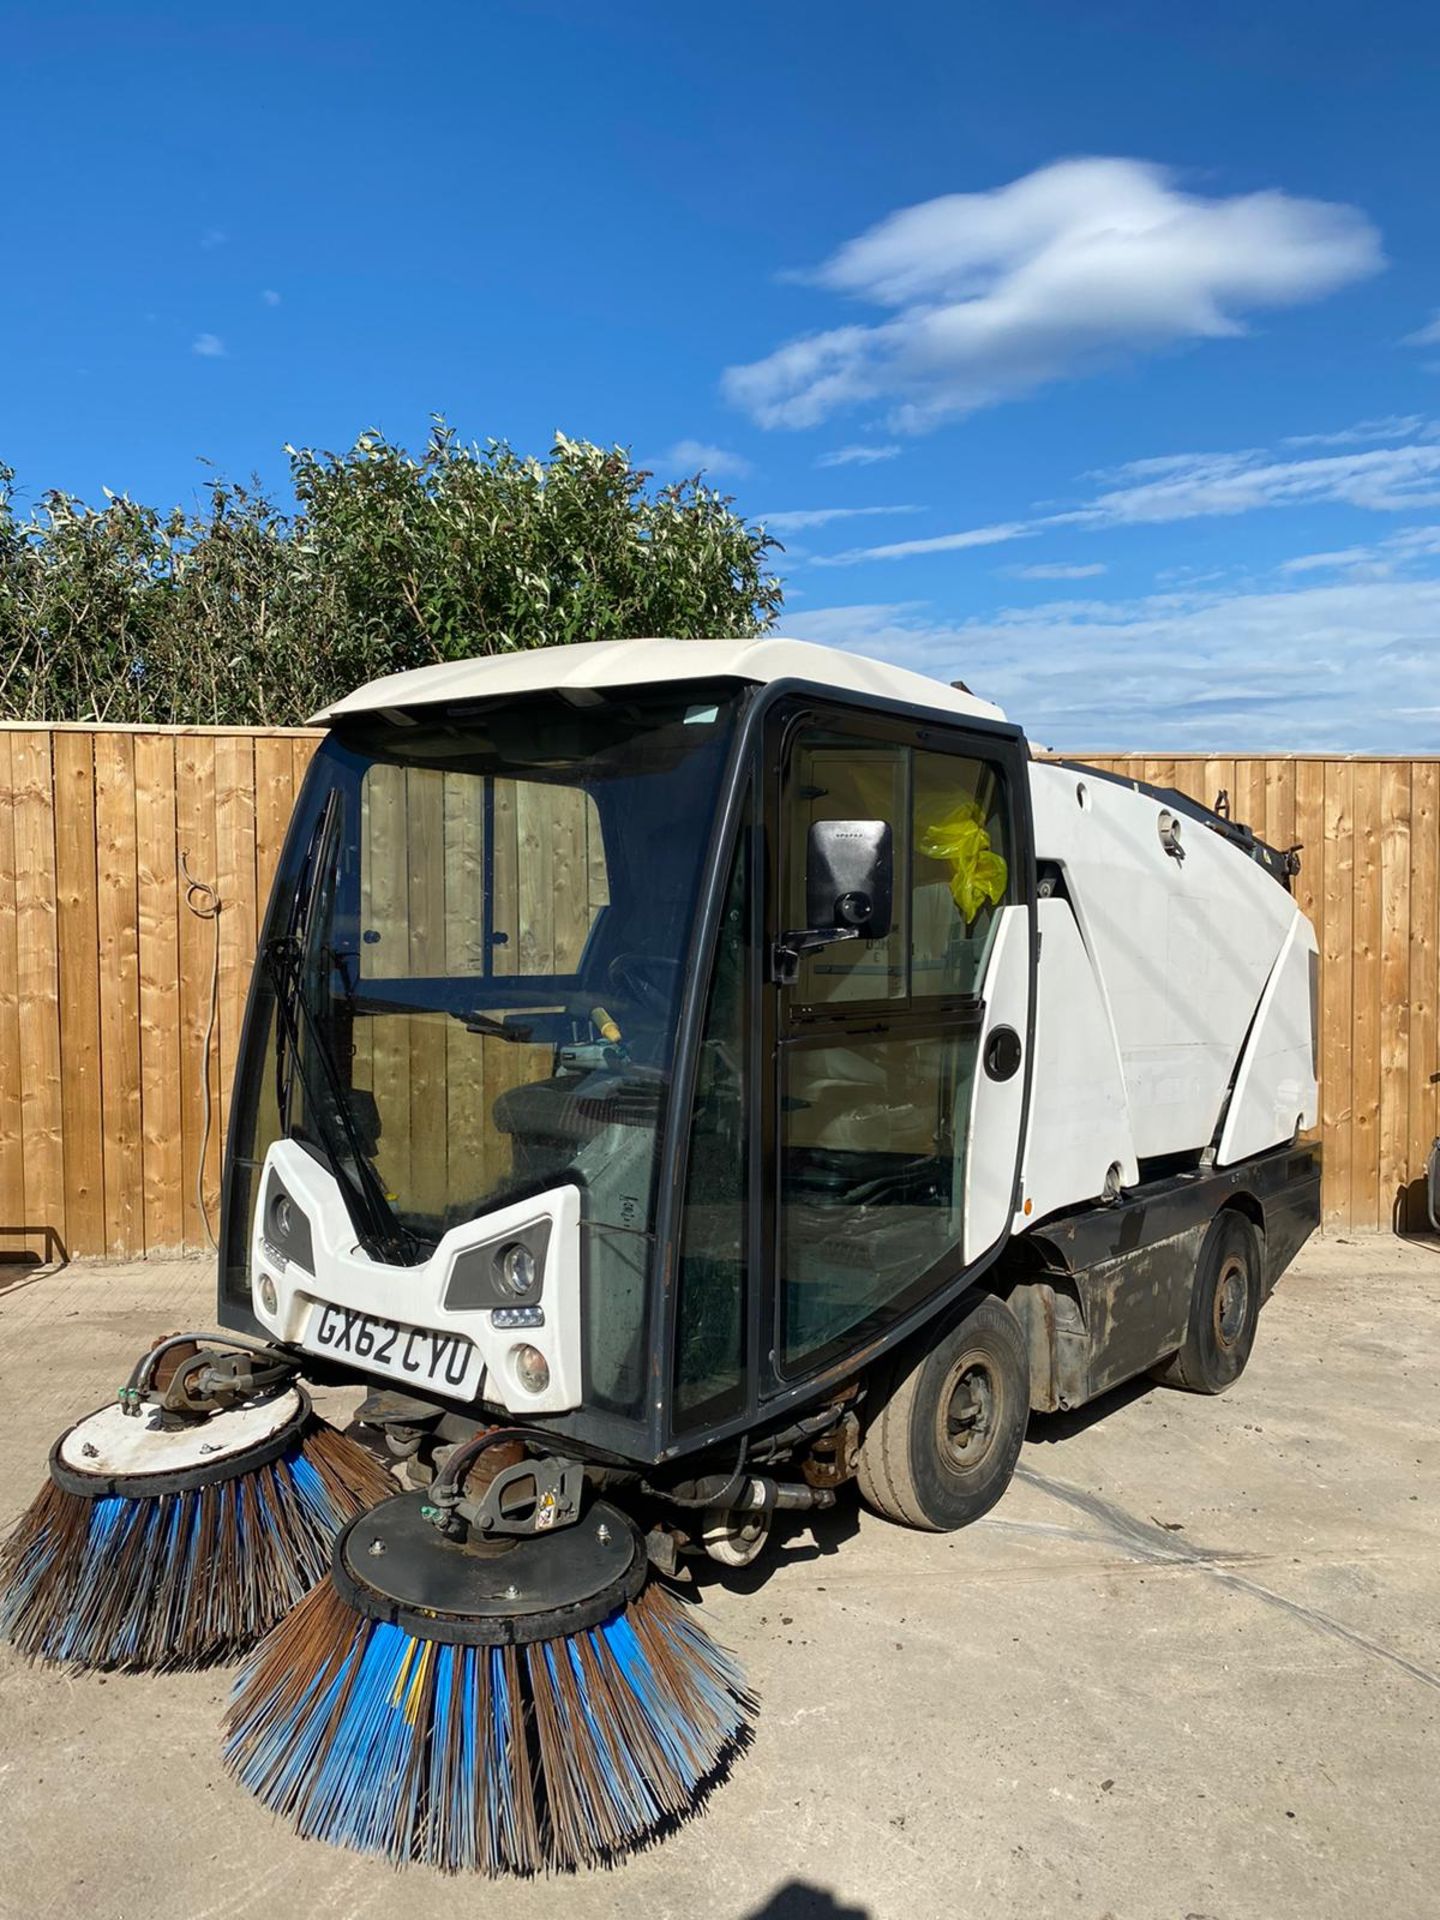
(900, 1055)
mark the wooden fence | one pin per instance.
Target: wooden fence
(107, 961)
(1369, 832)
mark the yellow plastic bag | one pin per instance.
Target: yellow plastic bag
(978, 875)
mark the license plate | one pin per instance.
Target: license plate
(447, 1362)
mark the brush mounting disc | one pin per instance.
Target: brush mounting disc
(136, 1457)
(392, 1564)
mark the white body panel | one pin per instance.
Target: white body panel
(1079, 1116)
(1181, 950)
(1275, 1087)
(996, 1105)
(346, 1276)
(593, 665)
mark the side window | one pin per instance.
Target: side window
(835, 779)
(960, 871)
(950, 839)
(710, 1335)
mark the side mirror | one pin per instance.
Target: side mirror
(850, 876)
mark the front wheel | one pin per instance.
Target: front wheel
(946, 1423)
(1224, 1310)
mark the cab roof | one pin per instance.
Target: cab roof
(601, 664)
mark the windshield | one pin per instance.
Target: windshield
(495, 947)
(475, 977)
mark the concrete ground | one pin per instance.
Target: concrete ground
(1189, 1668)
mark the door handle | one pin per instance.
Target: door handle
(1003, 1053)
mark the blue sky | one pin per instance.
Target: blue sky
(1090, 354)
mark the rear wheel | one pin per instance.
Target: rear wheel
(946, 1423)
(1224, 1310)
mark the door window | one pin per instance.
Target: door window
(879, 1039)
(873, 1178)
(839, 779)
(960, 871)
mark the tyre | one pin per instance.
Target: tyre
(1224, 1310)
(946, 1422)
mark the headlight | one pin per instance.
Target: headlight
(518, 1270)
(269, 1298)
(532, 1369)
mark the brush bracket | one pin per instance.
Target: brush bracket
(534, 1495)
(113, 1452)
(391, 1564)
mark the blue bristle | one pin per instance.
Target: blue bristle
(557, 1755)
(180, 1579)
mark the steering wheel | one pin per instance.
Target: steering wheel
(633, 974)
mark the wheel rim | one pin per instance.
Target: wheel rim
(1232, 1292)
(969, 1412)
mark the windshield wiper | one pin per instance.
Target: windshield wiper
(370, 1212)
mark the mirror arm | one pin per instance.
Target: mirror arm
(785, 957)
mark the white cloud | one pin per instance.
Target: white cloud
(800, 517)
(939, 543)
(1058, 570)
(696, 456)
(270, 297)
(1426, 336)
(994, 294)
(1382, 559)
(211, 238)
(1191, 486)
(209, 346)
(1395, 426)
(1345, 667)
(857, 456)
(1381, 479)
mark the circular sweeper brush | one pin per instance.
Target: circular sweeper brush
(477, 1692)
(177, 1526)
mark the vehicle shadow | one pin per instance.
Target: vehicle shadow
(798, 1900)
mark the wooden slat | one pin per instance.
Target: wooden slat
(235, 865)
(1250, 794)
(13, 1239)
(1393, 1011)
(1424, 1061)
(274, 800)
(1309, 832)
(467, 1132)
(1279, 824)
(536, 874)
(115, 876)
(597, 870)
(1365, 1022)
(1337, 984)
(569, 878)
(157, 899)
(506, 879)
(386, 957)
(1310, 881)
(78, 938)
(37, 974)
(195, 839)
(425, 802)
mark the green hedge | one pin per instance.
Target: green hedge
(249, 612)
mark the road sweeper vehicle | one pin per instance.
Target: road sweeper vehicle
(681, 1077)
